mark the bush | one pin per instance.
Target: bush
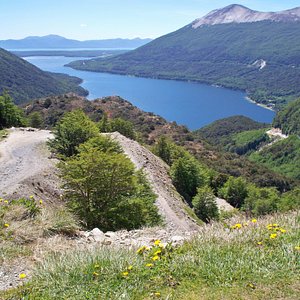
(205, 205)
(123, 127)
(187, 175)
(104, 190)
(36, 120)
(234, 191)
(10, 114)
(73, 129)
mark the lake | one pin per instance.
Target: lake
(192, 104)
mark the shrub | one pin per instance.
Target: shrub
(205, 205)
(234, 191)
(73, 129)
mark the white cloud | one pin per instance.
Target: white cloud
(83, 25)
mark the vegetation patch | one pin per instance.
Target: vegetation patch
(240, 259)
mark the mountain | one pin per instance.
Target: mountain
(233, 47)
(55, 41)
(25, 82)
(240, 14)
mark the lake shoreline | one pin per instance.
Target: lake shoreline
(247, 97)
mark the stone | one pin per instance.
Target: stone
(97, 234)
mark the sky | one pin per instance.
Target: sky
(103, 19)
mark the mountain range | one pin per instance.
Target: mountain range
(24, 81)
(233, 47)
(55, 41)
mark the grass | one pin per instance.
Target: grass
(234, 260)
(24, 221)
(3, 134)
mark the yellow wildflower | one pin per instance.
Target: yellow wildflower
(149, 265)
(282, 230)
(31, 197)
(259, 243)
(155, 257)
(6, 225)
(254, 221)
(141, 250)
(157, 252)
(130, 268)
(157, 294)
(41, 201)
(157, 242)
(5, 201)
(22, 276)
(125, 273)
(297, 248)
(238, 225)
(273, 236)
(96, 266)
(96, 274)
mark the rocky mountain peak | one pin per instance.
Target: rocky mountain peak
(236, 13)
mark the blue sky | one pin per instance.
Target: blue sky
(100, 19)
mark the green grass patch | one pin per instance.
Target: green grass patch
(238, 260)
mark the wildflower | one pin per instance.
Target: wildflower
(149, 265)
(125, 273)
(297, 248)
(141, 250)
(273, 236)
(6, 201)
(31, 197)
(96, 266)
(41, 201)
(254, 221)
(157, 294)
(259, 243)
(157, 242)
(22, 276)
(130, 268)
(157, 252)
(282, 230)
(6, 225)
(251, 285)
(155, 257)
(238, 225)
(96, 274)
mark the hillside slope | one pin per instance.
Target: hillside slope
(260, 57)
(151, 127)
(25, 82)
(288, 120)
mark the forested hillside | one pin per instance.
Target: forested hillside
(260, 57)
(288, 120)
(24, 82)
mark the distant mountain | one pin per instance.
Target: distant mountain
(25, 82)
(233, 47)
(240, 14)
(55, 41)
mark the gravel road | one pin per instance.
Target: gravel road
(23, 155)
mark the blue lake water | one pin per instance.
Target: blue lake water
(187, 103)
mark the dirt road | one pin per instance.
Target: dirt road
(24, 161)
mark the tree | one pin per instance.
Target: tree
(103, 188)
(235, 191)
(205, 205)
(187, 175)
(72, 130)
(10, 114)
(36, 120)
(163, 149)
(122, 126)
(261, 201)
(103, 124)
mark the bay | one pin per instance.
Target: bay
(192, 104)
